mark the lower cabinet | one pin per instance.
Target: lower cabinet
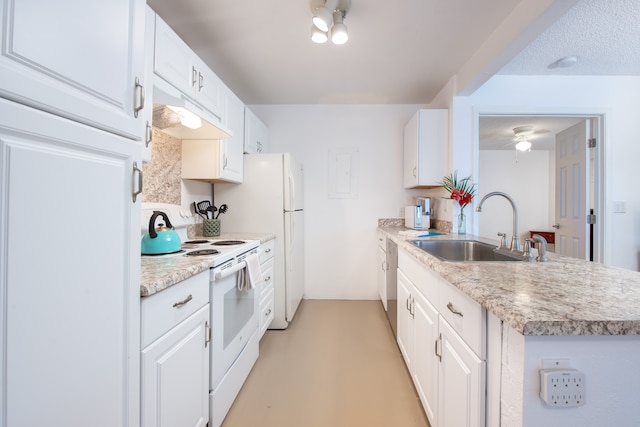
(449, 375)
(175, 355)
(382, 269)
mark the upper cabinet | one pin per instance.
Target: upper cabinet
(426, 140)
(177, 64)
(83, 64)
(256, 134)
(217, 160)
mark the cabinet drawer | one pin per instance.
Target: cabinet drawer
(267, 250)
(464, 315)
(422, 277)
(267, 274)
(266, 311)
(162, 311)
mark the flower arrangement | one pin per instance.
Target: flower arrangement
(461, 191)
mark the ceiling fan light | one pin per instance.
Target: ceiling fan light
(523, 145)
(339, 34)
(318, 36)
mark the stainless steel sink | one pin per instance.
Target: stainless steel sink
(464, 250)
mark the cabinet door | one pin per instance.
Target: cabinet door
(425, 361)
(233, 160)
(175, 376)
(150, 25)
(71, 318)
(461, 383)
(174, 59)
(426, 139)
(208, 89)
(410, 153)
(405, 320)
(79, 62)
(256, 137)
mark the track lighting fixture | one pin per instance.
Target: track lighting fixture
(328, 19)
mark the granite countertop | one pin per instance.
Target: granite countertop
(564, 296)
(160, 272)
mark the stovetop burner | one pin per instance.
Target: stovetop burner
(195, 242)
(228, 242)
(202, 252)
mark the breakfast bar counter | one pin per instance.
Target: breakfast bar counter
(563, 296)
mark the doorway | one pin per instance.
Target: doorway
(530, 176)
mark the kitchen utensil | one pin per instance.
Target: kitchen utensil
(211, 209)
(203, 206)
(196, 210)
(161, 239)
(223, 208)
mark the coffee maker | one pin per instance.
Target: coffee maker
(418, 216)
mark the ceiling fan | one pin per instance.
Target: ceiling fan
(522, 135)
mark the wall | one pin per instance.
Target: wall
(340, 234)
(528, 184)
(617, 98)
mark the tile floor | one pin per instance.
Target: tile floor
(337, 365)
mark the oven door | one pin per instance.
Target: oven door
(233, 319)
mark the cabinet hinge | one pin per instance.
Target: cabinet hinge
(591, 219)
(591, 143)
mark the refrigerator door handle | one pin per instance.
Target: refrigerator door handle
(292, 191)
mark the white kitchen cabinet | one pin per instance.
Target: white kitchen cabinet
(461, 390)
(176, 63)
(149, 37)
(175, 357)
(266, 291)
(70, 312)
(84, 62)
(448, 370)
(426, 141)
(217, 160)
(256, 134)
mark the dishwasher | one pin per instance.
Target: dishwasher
(392, 284)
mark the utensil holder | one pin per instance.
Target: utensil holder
(211, 227)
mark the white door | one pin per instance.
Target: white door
(70, 263)
(175, 373)
(425, 362)
(572, 189)
(80, 61)
(461, 382)
(405, 319)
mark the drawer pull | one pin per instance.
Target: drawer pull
(453, 310)
(266, 251)
(183, 302)
(267, 313)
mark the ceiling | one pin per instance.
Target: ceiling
(496, 132)
(404, 53)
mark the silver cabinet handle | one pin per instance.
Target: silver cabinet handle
(135, 192)
(439, 354)
(149, 135)
(139, 89)
(183, 302)
(224, 161)
(200, 81)
(194, 75)
(267, 251)
(453, 310)
(267, 313)
(267, 279)
(556, 226)
(415, 171)
(207, 338)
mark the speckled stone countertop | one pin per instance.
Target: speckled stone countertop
(160, 272)
(564, 296)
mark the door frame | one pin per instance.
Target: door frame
(601, 248)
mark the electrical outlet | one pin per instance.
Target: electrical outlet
(562, 387)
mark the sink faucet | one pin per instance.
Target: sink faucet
(542, 249)
(515, 240)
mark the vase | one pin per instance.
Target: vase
(462, 224)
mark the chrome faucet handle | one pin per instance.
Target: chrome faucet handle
(527, 252)
(503, 240)
(515, 244)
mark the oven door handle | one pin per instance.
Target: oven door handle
(229, 271)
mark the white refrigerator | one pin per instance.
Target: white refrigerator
(270, 200)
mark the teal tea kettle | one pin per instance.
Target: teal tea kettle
(160, 240)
